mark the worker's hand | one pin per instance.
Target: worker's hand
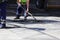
(27, 10)
(19, 4)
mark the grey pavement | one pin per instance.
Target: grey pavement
(48, 28)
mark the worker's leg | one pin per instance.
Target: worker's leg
(0, 17)
(18, 14)
(3, 14)
(24, 11)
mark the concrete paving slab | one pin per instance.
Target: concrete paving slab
(53, 33)
(22, 34)
(32, 31)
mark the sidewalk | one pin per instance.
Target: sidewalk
(47, 29)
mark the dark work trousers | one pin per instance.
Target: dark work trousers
(3, 14)
(21, 9)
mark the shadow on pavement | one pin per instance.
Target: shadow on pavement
(36, 29)
(30, 21)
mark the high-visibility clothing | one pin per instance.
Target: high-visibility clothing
(23, 1)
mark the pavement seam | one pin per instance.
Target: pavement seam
(50, 35)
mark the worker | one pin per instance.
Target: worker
(3, 5)
(23, 7)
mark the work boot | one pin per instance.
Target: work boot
(25, 18)
(3, 23)
(17, 17)
(0, 24)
